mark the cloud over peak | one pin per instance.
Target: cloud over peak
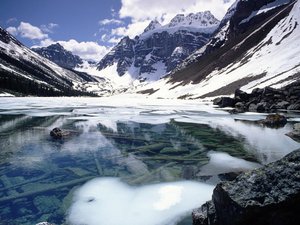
(26, 30)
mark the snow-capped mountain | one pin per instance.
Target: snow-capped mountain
(24, 71)
(159, 49)
(59, 55)
(256, 45)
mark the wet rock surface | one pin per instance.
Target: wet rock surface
(58, 133)
(265, 196)
(295, 133)
(263, 100)
(274, 121)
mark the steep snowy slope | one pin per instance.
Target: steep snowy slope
(257, 45)
(159, 49)
(25, 72)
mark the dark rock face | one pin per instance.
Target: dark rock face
(57, 54)
(267, 99)
(266, 196)
(225, 46)
(160, 45)
(170, 49)
(122, 54)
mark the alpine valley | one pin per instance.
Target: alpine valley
(256, 44)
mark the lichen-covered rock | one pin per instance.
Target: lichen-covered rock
(266, 196)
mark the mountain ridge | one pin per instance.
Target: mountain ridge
(160, 48)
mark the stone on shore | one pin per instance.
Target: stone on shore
(266, 196)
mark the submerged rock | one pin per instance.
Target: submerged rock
(57, 133)
(274, 120)
(295, 134)
(266, 196)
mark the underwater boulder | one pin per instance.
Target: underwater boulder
(58, 133)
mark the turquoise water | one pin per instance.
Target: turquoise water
(140, 144)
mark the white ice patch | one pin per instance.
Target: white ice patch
(224, 163)
(108, 201)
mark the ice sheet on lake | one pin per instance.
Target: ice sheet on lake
(108, 201)
(224, 163)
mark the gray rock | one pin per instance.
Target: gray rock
(274, 120)
(58, 133)
(252, 107)
(295, 134)
(294, 106)
(224, 102)
(280, 105)
(266, 196)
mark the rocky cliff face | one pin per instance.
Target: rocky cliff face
(254, 47)
(57, 54)
(161, 48)
(266, 196)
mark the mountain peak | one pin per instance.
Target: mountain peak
(56, 46)
(154, 24)
(200, 19)
(59, 55)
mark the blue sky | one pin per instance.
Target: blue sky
(89, 28)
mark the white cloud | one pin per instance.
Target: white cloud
(11, 20)
(114, 40)
(49, 27)
(86, 50)
(132, 29)
(142, 12)
(46, 42)
(27, 30)
(110, 21)
(12, 30)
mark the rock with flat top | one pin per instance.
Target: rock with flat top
(269, 195)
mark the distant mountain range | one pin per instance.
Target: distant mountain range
(24, 72)
(256, 44)
(159, 49)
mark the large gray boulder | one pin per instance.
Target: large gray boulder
(266, 196)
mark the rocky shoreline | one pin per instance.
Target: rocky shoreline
(266, 196)
(263, 100)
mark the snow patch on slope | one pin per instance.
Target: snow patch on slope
(274, 59)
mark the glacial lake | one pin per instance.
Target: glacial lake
(127, 160)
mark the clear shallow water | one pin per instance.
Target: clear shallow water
(141, 142)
